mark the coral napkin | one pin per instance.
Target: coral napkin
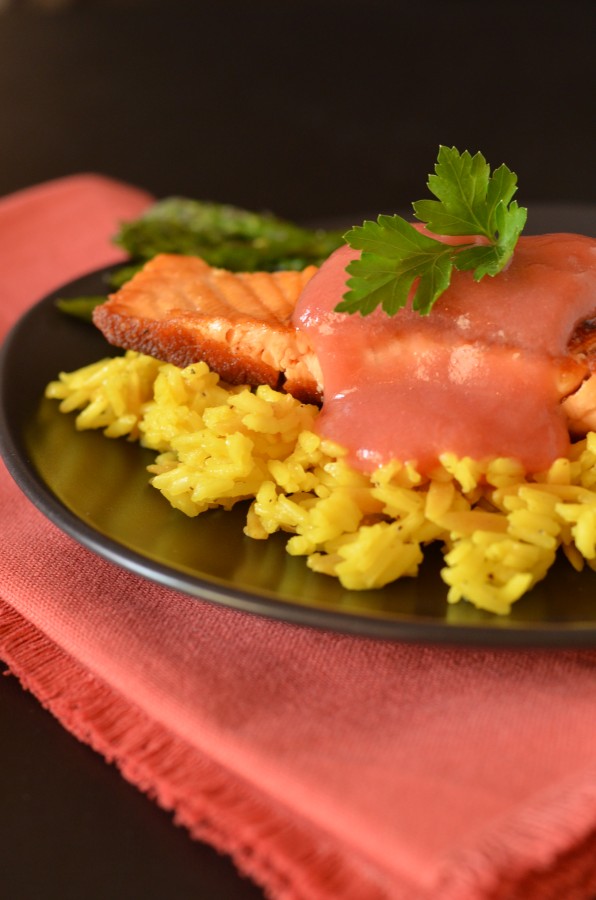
(328, 766)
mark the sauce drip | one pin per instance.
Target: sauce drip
(481, 376)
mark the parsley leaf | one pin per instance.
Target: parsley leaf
(396, 257)
(393, 256)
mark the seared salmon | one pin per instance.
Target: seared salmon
(182, 310)
(484, 375)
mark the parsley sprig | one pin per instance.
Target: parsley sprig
(395, 255)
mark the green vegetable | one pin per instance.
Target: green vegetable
(82, 307)
(225, 236)
(79, 307)
(395, 254)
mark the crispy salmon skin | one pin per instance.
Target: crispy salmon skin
(182, 310)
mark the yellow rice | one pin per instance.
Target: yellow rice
(217, 445)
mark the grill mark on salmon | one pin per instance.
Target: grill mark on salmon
(181, 310)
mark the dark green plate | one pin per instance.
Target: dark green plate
(97, 491)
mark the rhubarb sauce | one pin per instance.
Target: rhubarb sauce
(481, 376)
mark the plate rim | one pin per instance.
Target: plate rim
(404, 629)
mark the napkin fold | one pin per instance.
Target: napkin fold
(326, 765)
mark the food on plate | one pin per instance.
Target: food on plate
(224, 236)
(182, 310)
(482, 375)
(452, 363)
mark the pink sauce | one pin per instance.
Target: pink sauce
(481, 376)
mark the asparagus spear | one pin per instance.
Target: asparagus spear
(225, 236)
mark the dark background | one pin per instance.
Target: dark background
(314, 110)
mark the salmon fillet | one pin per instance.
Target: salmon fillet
(182, 310)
